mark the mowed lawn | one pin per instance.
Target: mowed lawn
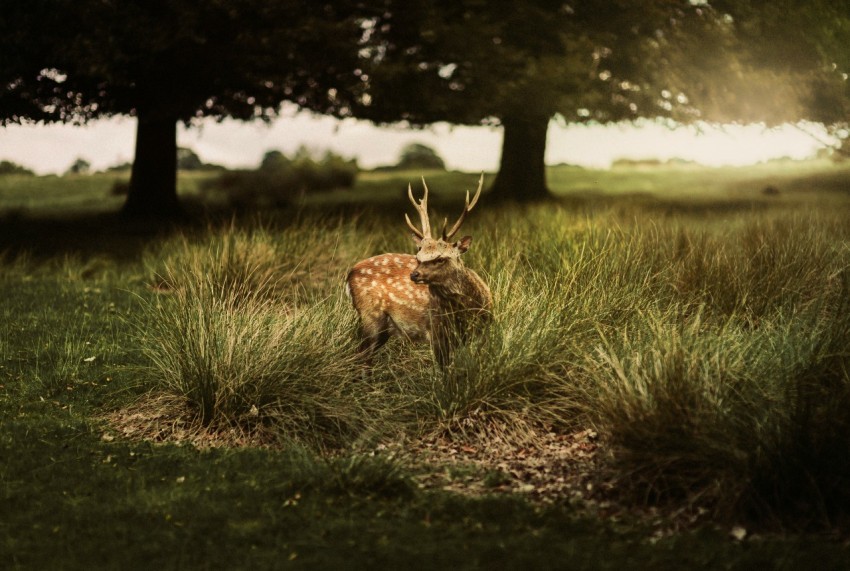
(664, 385)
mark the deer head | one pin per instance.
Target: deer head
(437, 259)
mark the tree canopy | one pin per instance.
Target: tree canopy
(165, 61)
(797, 66)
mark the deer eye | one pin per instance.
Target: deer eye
(440, 261)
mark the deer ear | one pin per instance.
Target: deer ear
(463, 244)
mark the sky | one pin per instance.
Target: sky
(53, 148)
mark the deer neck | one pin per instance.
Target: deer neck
(457, 292)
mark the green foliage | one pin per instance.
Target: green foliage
(281, 180)
(171, 62)
(80, 60)
(8, 167)
(788, 71)
(597, 61)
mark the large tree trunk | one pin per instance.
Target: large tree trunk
(153, 181)
(522, 172)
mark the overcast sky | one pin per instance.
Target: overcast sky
(52, 148)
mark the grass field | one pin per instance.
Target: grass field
(668, 365)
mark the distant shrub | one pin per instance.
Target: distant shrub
(280, 179)
(120, 167)
(79, 166)
(624, 163)
(188, 160)
(8, 167)
(417, 156)
(635, 163)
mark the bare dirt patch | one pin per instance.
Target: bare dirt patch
(166, 419)
(545, 467)
(550, 467)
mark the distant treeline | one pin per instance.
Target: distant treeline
(8, 167)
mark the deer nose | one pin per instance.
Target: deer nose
(414, 276)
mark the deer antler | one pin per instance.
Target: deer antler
(469, 206)
(422, 209)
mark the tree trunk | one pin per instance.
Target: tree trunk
(522, 172)
(153, 181)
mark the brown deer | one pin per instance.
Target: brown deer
(431, 296)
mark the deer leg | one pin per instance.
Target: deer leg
(372, 343)
(374, 332)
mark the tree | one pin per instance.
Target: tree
(520, 65)
(80, 166)
(272, 159)
(8, 167)
(419, 156)
(170, 61)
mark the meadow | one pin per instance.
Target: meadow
(665, 383)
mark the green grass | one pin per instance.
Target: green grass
(702, 332)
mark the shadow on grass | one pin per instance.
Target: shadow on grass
(101, 234)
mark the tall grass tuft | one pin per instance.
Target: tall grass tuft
(245, 349)
(505, 379)
(510, 378)
(751, 424)
(242, 361)
(802, 474)
(230, 260)
(255, 257)
(673, 403)
(756, 267)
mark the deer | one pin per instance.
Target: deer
(428, 297)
